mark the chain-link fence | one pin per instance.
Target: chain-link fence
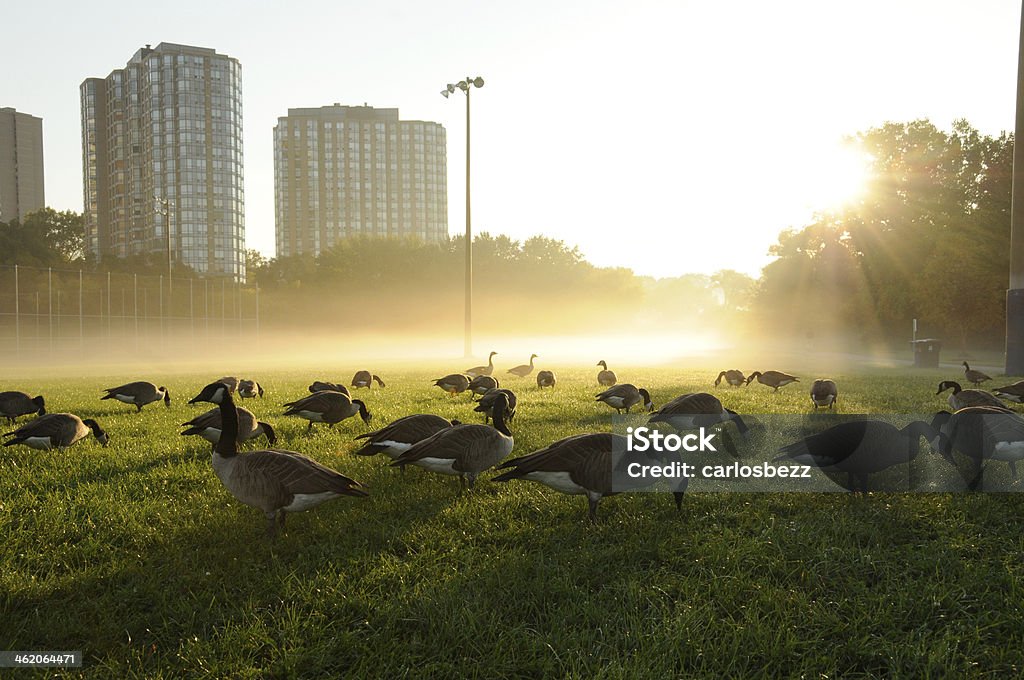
(58, 310)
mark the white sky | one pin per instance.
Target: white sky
(663, 136)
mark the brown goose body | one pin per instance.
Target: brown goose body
(824, 393)
(208, 425)
(138, 394)
(454, 383)
(773, 379)
(325, 386)
(485, 404)
(482, 370)
(56, 431)
(398, 437)
(523, 370)
(960, 398)
(695, 410)
(1014, 392)
(463, 450)
(625, 396)
(366, 379)
(327, 407)
(732, 377)
(250, 389)
(981, 433)
(605, 377)
(578, 465)
(482, 384)
(973, 376)
(545, 379)
(14, 404)
(273, 480)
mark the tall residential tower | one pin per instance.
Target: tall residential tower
(344, 171)
(162, 147)
(21, 165)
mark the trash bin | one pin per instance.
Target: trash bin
(926, 352)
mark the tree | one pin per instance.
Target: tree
(46, 238)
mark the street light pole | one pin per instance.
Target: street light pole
(467, 85)
(165, 207)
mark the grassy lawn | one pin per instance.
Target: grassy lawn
(138, 556)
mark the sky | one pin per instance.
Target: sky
(667, 137)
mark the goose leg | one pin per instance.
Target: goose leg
(138, 409)
(280, 519)
(1013, 469)
(271, 525)
(592, 511)
(309, 427)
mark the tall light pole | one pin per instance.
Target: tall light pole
(165, 207)
(1015, 294)
(466, 85)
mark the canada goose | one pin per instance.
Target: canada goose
(56, 431)
(695, 410)
(545, 379)
(732, 377)
(453, 383)
(605, 377)
(859, 448)
(365, 379)
(398, 437)
(325, 386)
(250, 389)
(482, 370)
(463, 450)
(824, 393)
(523, 370)
(15, 404)
(487, 402)
(274, 481)
(973, 376)
(773, 379)
(208, 426)
(626, 396)
(579, 465)
(961, 398)
(981, 433)
(138, 394)
(1014, 392)
(327, 407)
(482, 384)
(231, 381)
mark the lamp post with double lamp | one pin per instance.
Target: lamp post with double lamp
(165, 207)
(467, 85)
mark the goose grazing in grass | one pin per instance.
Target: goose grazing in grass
(398, 437)
(732, 377)
(487, 402)
(973, 376)
(366, 379)
(626, 396)
(605, 377)
(454, 383)
(208, 426)
(327, 407)
(482, 370)
(773, 379)
(981, 433)
(250, 389)
(695, 410)
(229, 380)
(579, 465)
(961, 398)
(482, 384)
(859, 448)
(824, 393)
(56, 431)
(1014, 392)
(325, 386)
(463, 450)
(274, 481)
(545, 379)
(15, 404)
(523, 370)
(138, 394)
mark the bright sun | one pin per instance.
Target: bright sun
(836, 177)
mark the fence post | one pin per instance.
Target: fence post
(81, 318)
(206, 306)
(17, 314)
(191, 311)
(135, 313)
(163, 337)
(257, 314)
(223, 306)
(49, 303)
(108, 305)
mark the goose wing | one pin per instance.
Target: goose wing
(283, 474)
(587, 458)
(318, 402)
(63, 428)
(408, 429)
(472, 448)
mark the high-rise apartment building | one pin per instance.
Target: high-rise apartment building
(162, 148)
(343, 171)
(21, 165)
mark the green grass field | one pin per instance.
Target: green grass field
(138, 556)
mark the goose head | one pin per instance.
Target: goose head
(101, 436)
(602, 364)
(648, 404)
(214, 393)
(948, 384)
(41, 403)
(364, 413)
(167, 396)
